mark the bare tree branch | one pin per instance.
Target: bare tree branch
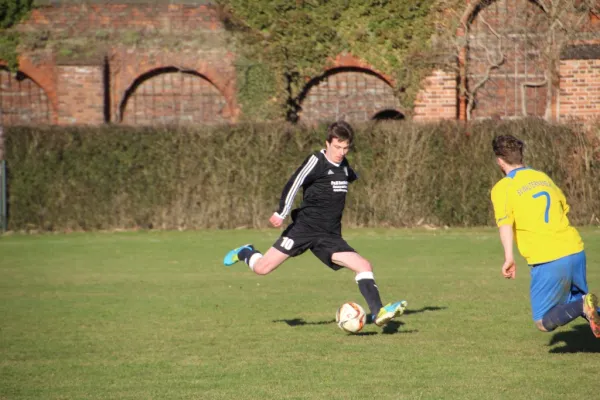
(495, 58)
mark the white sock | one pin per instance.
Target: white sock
(364, 275)
(253, 259)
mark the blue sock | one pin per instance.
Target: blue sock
(562, 314)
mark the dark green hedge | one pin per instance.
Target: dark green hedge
(112, 177)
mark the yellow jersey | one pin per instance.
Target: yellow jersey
(537, 210)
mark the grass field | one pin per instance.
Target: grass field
(155, 315)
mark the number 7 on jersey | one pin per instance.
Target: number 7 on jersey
(547, 196)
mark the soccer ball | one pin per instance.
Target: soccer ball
(350, 317)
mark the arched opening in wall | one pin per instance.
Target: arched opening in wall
(506, 65)
(172, 96)
(22, 101)
(388, 115)
(348, 93)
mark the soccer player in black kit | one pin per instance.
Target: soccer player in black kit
(324, 177)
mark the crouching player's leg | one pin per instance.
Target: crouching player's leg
(559, 294)
(365, 279)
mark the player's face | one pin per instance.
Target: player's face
(336, 150)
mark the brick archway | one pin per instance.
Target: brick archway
(42, 75)
(352, 93)
(23, 100)
(173, 95)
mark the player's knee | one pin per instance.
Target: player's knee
(367, 266)
(361, 267)
(540, 326)
(263, 267)
(259, 271)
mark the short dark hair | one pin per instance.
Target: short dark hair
(508, 148)
(340, 130)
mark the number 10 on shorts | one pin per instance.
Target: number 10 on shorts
(287, 243)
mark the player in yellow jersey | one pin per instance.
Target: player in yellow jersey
(532, 210)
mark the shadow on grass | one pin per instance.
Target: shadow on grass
(363, 334)
(391, 328)
(579, 339)
(424, 309)
(301, 321)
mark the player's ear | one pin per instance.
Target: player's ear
(501, 163)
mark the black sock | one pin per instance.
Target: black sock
(562, 314)
(370, 292)
(245, 254)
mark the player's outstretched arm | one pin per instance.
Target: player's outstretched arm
(304, 174)
(276, 220)
(509, 268)
(505, 220)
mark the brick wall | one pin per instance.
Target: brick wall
(176, 36)
(438, 98)
(501, 36)
(172, 96)
(22, 101)
(140, 85)
(81, 94)
(579, 89)
(215, 71)
(353, 95)
(108, 17)
(190, 42)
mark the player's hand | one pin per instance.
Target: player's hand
(276, 220)
(509, 269)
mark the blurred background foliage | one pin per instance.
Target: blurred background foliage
(116, 177)
(11, 12)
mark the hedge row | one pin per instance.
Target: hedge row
(114, 177)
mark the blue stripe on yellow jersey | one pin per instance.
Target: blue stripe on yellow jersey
(537, 209)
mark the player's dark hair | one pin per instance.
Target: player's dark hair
(508, 148)
(340, 130)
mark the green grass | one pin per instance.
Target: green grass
(154, 315)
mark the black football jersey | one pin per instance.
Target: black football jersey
(325, 185)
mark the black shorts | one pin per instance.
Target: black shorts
(296, 239)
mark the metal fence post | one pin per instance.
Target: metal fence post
(1, 133)
(3, 197)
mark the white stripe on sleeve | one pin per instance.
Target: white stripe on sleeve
(289, 200)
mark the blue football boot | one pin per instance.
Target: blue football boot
(389, 312)
(232, 257)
